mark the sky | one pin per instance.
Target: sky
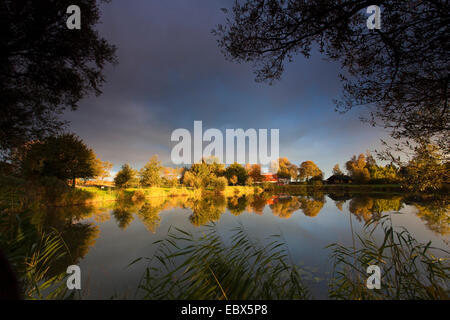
(171, 73)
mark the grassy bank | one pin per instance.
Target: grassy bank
(353, 188)
(98, 194)
(17, 194)
(156, 192)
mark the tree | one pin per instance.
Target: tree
(65, 157)
(357, 168)
(202, 175)
(426, 171)
(125, 177)
(364, 169)
(370, 160)
(215, 166)
(45, 67)
(150, 174)
(337, 170)
(384, 174)
(202, 170)
(170, 176)
(254, 172)
(205, 175)
(401, 69)
(309, 170)
(219, 184)
(190, 180)
(286, 169)
(102, 169)
(237, 170)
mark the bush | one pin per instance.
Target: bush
(219, 184)
(170, 183)
(190, 180)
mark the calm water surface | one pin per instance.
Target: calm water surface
(104, 241)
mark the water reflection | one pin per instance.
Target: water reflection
(433, 211)
(435, 214)
(78, 225)
(76, 233)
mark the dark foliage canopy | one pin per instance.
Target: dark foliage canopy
(45, 67)
(65, 157)
(237, 170)
(401, 70)
(125, 176)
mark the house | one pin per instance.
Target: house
(270, 177)
(273, 178)
(283, 181)
(339, 179)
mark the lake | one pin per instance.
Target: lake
(103, 241)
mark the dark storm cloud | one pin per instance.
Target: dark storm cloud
(171, 73)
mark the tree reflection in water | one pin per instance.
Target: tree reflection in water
(41, 243)
(436, 214)
(209, 208)
(284, 206)
(206, 210)
(237, 205)
(74, 229)
(77, 227)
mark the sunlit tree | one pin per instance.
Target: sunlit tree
(428, 170)
(337, 170)
(150, 174)
(65, 157)
(237, 170)
(125, 177)
(286, 169)
(309, 170)
(190, 180)
(357, 168)
(102, 169)
(254, 172)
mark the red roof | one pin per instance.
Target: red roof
(270, 177)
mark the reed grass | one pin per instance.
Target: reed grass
(410, 270)
(204, 268)
(32, 254)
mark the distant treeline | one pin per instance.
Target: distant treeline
(67, 158)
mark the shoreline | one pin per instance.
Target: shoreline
(23, 197)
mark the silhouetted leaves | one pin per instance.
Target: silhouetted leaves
(401, 69)
(45, 67)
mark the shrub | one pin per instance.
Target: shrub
(219, 184)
